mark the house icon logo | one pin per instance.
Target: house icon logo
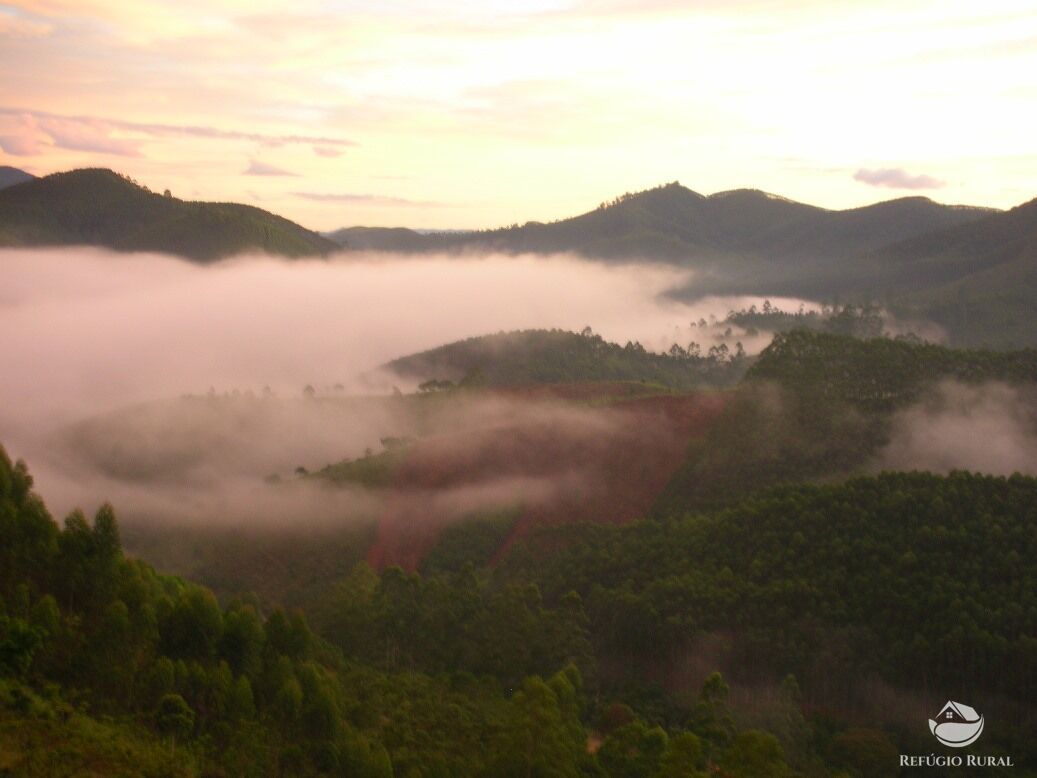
(957, 725)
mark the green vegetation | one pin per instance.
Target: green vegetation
(557, 356)
(475, 539)
(101, 208)
(880, 373)
(864, 321)
(371, 471)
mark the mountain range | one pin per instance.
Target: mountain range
(972, 271)
(675, 224)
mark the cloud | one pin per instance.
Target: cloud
(12, 26)
(96, 135)
(158, 130)
(31, 133)
(21, 144)
(325, 151)
(896, 178)
(257, 168)
(369, 199)
(23, 138)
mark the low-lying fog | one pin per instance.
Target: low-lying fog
(86, 333)
(990, 428)
(86, 329)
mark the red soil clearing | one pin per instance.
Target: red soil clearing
(562, 462)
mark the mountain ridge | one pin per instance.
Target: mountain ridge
(670, 221)
(99, 207)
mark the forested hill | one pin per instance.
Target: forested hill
(674, 223)
(96, 207)
(557, 356)
(815, 405)
(977, 280)
(880, 373)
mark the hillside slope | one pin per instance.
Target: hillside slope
(98, 207)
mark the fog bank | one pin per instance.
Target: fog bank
(101, 350)
(990, 428)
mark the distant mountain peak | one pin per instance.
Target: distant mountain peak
(11, 176)
(753, 194)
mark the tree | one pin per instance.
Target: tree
(174, 718)
(755, 754)
(633, 750)
(682, 758)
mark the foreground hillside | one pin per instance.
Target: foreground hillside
(101, 208)
(108, 668)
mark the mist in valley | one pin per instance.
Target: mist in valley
(175, 390)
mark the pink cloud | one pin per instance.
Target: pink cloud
(257, 168)
(326, 151)
(29, 134)
(89, 135)
(21, 144)
(22, 138)
(896, 178)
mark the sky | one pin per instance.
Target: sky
(478, 113)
